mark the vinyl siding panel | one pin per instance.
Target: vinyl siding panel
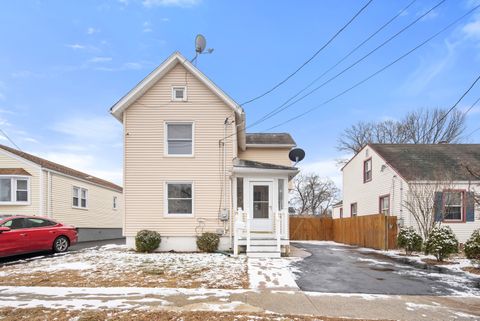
(277, 156)
(34, 208)
(147, 169)
(100, 212)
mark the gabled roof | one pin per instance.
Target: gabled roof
(152, 78)
(430, 162)
(14, 171)
(270, 139)
(62, 169)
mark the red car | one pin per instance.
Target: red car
(21, 234)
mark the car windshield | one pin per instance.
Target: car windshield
(2, 217)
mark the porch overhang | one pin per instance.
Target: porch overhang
(242, 166)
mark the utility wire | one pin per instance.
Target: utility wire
(451, 108)
(381, 69)
(286, 104)
(472, 132)
(311, 58)
(337, 63)
(465, 114)
(9, 139)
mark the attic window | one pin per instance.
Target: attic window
(179, 93)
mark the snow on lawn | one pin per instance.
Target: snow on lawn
(114, 266)
(265, 273)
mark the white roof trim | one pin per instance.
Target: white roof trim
(125, 102)
(263, 170)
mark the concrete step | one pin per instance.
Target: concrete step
(263, 254)
(263, 248)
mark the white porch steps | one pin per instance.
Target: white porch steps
(263, 245)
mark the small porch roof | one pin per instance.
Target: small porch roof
(243, 165)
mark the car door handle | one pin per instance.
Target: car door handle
(23, 234)
(51, 232)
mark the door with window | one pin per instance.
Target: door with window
(14, 241)
(261, 201)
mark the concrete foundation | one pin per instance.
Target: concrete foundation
(98, 234)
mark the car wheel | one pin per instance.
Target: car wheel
(60, 244)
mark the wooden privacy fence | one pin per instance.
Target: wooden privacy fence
(373, 231)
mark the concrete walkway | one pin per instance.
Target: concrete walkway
(279, 301)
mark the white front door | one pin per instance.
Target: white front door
(261, 201)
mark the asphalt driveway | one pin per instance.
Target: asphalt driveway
(342, 269)
(40, 255)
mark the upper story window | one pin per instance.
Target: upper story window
(384, 204)
(353, 209)
(14, 190)
(79, 197)
(341, 212)
(453, 205)
(179, 139)
(367, 170)
(179, 93)
(115, 203)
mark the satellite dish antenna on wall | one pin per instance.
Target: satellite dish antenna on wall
(296, 155)
(200, 45)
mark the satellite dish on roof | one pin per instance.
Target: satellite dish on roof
(296, 155)
(200, 43)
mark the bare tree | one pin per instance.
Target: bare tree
(474, 171)
(313, 194)
(421, 203)
(422, 126)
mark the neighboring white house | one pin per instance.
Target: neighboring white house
(337, 210)
(381, 178)
(189, 165)
(30, 185)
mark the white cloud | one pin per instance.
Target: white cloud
(99, 59)
(147, 27)
(325, 168)
(76, 46)
(472, 29)
(170, 3)
(126, 66)
(83, 47)
(92, 30)
(94, 129)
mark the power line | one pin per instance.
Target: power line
(472, 132)
(466, 112)
(338, 62)
(311, 58)
(381, 69)
(451, 108)
(9, 139)
(286, 104)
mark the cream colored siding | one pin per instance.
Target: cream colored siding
(366, 195)
(34, 208)
(99, 212)
(147, 169)
(277, 156)
(387, 181)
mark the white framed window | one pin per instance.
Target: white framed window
(353, 209)
(14, 190)
(179, 93)
(384, 204)
(79, 197)
(453, 203)
(179, 199)
(281, 192)
(115, 203)
(179, 138)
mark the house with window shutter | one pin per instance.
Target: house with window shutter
(190, 167)
(30, 185)
(386, 178)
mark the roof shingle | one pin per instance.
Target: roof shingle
(270, 139)
(431, 161)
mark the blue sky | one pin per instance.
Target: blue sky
(64, 63)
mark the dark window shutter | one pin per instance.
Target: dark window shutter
(438, 206)
(470, 207)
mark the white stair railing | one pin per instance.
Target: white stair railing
(238, 229)
(278, 228)
(248, 233)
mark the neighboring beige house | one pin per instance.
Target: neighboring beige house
(189, 165)
(30, 185)
(384, 178)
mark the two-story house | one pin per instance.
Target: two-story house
(189, 166)
(402, 179)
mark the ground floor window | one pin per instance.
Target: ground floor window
(384, 204)
(281, 197)
(14, 190)
(240, 192)
(79, 199)
(453, 205)
(180, 198)
(353, 209)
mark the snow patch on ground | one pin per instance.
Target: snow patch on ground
(368, 297)
(266, 273)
